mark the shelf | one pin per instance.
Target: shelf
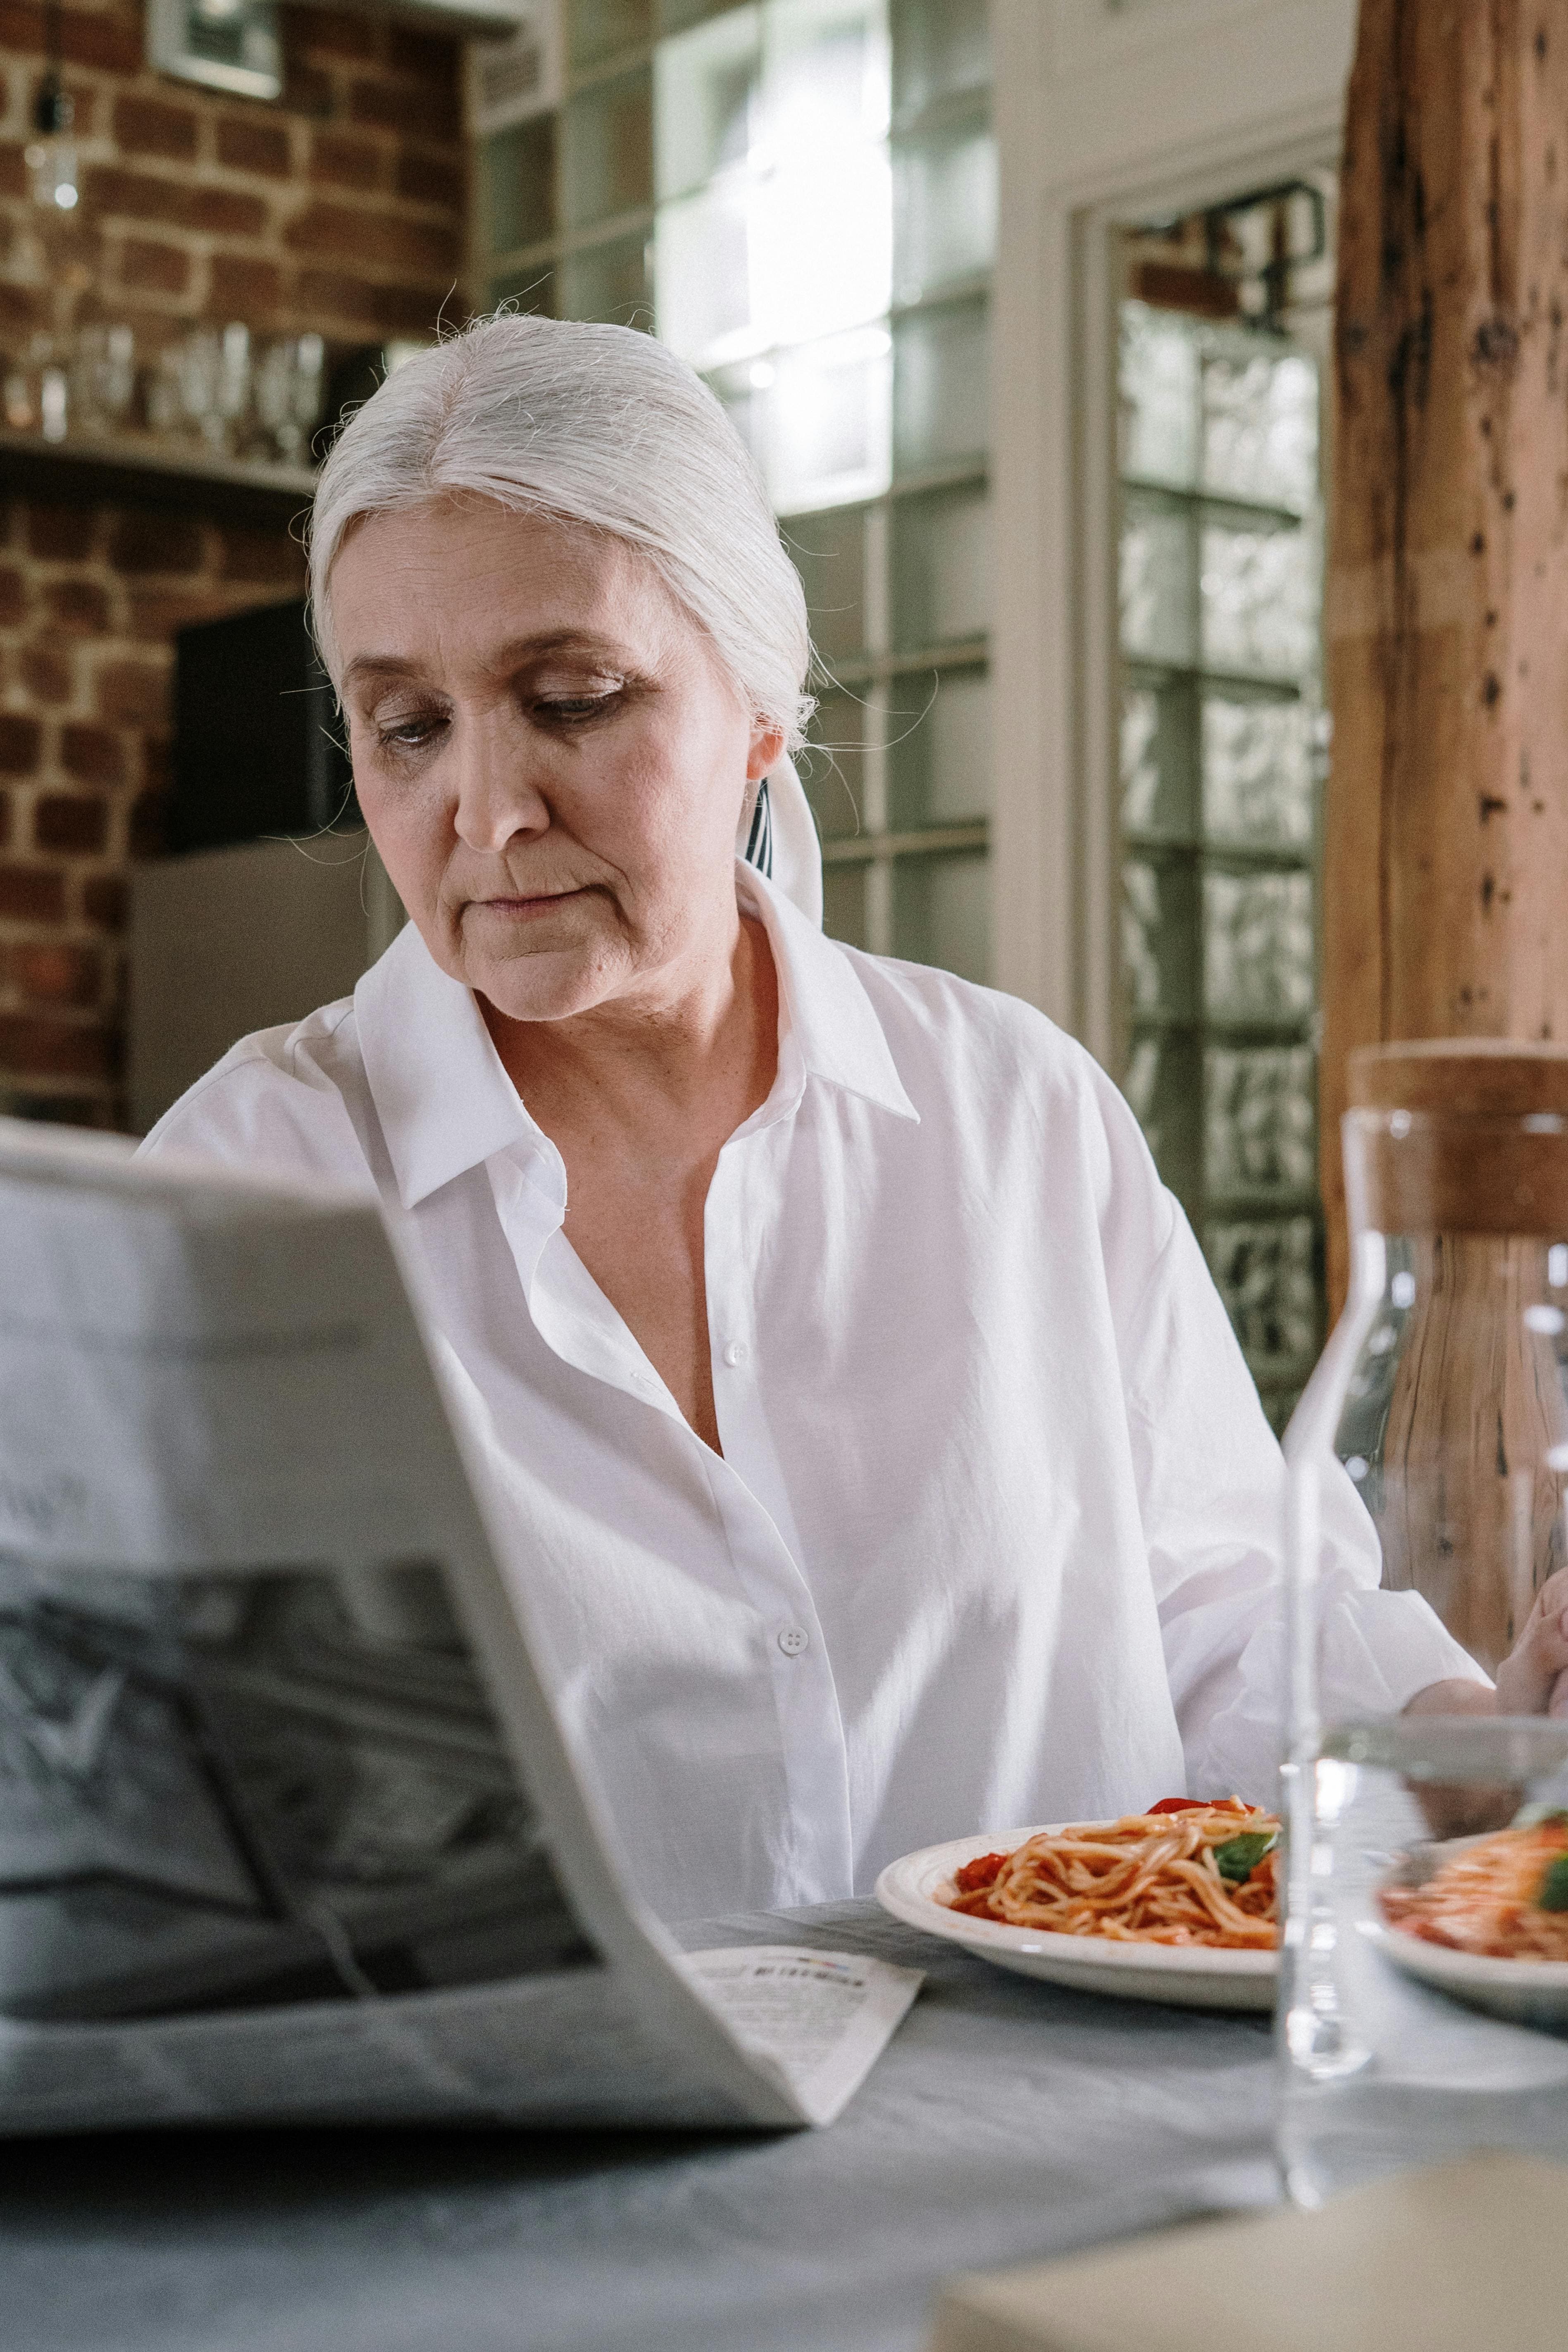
(145, 473)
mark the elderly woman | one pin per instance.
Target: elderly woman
(879, 1459)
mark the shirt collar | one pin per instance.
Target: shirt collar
(440, 1089)
(826, 1007)
(445, 1103)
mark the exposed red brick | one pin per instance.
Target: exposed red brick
(55, 972)
(327, 298)
(38, 1047)
(146, 126)
(156, 613)
(79, 605)
(246, 145)
(61, 534)
(21, 740)
(13, 596)
(156, 268)
(307, 90)
(262, 555)
(339, 160)
(70, 821)
(47, 673)
(429, 179)
(133, 693)
(110, 41)
(106, 901)
(181, 203)
(245, 290)
(94, 755)
(427, 113)
(14, 174)
(6, 819)
(32, 894)
(424, 249)
(146, 540)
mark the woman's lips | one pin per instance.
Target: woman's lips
(539, 904)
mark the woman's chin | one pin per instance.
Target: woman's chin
(541, 987)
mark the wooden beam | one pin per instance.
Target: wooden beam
(1446, 851)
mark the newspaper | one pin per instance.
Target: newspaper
(288, 1831)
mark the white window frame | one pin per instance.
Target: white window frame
(1106, 115)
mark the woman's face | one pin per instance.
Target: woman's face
(548, 755)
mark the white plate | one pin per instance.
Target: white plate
(1190, 1977)
(1525, 1992)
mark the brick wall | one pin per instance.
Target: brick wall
(340, 210)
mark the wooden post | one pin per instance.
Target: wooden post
(1446, 851)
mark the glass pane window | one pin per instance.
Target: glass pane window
(940, 750)
(518, 167)
(1220, 750)
(780, 113)
(942, 912)
(942, 401)
(607, 161)
(944, 195)
(1266, 1271)
(941, 568)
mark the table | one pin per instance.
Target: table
(1006, 2120)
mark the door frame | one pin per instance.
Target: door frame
(1106, 115)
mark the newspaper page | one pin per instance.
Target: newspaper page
(287, 1828)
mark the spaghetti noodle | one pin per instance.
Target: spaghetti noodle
(1504, 1896)
(1183, 1874)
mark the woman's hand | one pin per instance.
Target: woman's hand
(1534, 1679)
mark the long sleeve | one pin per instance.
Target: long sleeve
(1211, 1486)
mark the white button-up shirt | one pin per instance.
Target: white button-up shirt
(995, 1535)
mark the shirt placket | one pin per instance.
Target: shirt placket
(753, 1497)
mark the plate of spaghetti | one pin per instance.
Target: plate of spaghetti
(1180, 1904)
(1486, 1920)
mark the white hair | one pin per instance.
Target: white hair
(599, 425)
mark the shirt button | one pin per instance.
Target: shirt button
(736, 1353)
(793, 1640)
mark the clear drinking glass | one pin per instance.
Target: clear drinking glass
(1423, 2006)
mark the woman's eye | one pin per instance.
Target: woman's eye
(410, 734)
(571, 709)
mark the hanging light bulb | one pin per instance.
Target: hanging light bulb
(51, 155)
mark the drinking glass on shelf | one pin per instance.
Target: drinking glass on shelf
(232, 399)
(102, 378)
(1423, 1998)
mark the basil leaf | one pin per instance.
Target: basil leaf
(1552, 1895)
(1238, 1857)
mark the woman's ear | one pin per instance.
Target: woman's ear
(767, 750)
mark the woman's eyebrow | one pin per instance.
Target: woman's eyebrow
(506, 657)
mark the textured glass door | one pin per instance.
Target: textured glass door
(1222, 741)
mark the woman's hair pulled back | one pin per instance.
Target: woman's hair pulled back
(599, 425)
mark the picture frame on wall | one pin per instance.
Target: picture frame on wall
(231, 45)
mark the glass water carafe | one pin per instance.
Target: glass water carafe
(1424, 2006)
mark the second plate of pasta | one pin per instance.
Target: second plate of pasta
(921, 1889)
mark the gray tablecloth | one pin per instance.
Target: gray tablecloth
(1006, 2120)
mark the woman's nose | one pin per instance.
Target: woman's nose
(498, 795)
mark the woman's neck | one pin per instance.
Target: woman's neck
(691, 1054)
